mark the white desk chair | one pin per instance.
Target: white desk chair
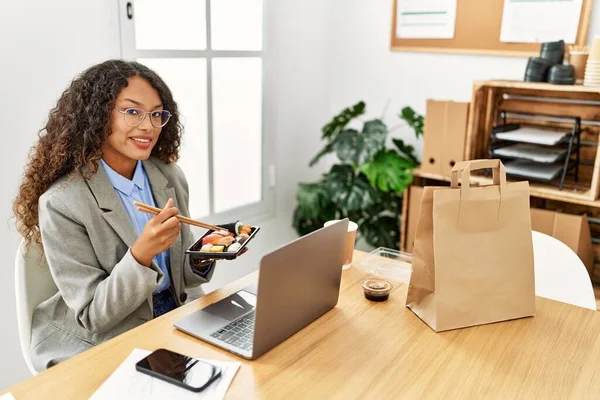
(560, 274)
(33, 285)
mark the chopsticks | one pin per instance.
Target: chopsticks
(154, 210)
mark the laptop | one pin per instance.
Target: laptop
(297, 284)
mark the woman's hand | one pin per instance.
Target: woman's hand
(158, 235)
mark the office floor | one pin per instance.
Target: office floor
(597, 294)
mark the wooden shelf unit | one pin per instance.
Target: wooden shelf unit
(543, 86)
(540, 105)
(521, 100)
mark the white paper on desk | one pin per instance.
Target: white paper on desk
(128, 383)
(425, 19)
(536, 21)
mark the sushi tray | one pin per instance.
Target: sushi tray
(223, 244)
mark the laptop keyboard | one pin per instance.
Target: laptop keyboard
(238, 333)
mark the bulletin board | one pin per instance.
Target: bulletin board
(477, 31)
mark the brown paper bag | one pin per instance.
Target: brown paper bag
(473, 253)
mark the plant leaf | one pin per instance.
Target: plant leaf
(313, 209)
(374, 134)
(389, 203)
(413, 119)
(347, 190)
(381, 231)
(338, 179)
(376, 130)
(389, 171)
(339, 122)
(406, 150)
(356, 148)
(361, 195)
(347, 145)
(392, 203)
(304, 225)
(326, 150)
(312, 199)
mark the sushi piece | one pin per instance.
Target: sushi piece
(238, 225)
(223, 232)
(247, 229)
(235, 228)
(241, 239)
(225, 241)
(206, 247)
(211, 239)
(217, 249)
(234, 247)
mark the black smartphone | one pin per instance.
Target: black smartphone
(180, 370)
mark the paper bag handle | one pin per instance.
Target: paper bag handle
(498, 171)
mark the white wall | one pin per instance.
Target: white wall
(45, 43)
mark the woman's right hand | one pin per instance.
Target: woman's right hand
(158, 235)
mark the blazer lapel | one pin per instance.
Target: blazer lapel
(108, 201)
(162, 192)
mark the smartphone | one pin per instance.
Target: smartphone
(180, 370)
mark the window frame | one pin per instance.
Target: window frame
(248, 213)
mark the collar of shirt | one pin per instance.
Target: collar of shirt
(123, 184)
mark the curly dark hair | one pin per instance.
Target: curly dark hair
(76, 132)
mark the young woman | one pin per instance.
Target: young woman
(112, 139)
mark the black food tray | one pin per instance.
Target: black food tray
(196, 255)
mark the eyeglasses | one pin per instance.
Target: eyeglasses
(135, 116)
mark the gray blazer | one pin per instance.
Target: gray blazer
(103, 290)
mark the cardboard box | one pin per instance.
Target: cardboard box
(414, 207)
(572, 230)
(444, 133)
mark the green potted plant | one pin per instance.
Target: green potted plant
(367, 183)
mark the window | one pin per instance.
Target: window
(210, 53)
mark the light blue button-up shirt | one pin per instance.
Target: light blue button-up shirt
(138, 189)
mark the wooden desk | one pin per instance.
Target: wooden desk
(364, 350)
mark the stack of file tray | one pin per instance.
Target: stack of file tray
(531, 152)
(537, 154)
(532, 170)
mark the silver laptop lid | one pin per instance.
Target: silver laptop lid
(298, 283)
